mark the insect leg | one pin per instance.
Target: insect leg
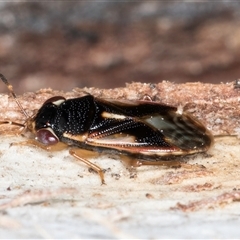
(12, 123)
(14, 129)
(77, 153)
(32, 142)
(147, 97)
(134, 162)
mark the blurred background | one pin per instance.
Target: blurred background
(67, 44)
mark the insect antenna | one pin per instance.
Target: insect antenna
(10, 88)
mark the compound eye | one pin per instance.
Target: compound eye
(57, 100)
(46, 136)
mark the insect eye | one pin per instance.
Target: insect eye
(46, 136)
(57, 100)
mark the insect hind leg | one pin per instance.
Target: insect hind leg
(137, 162)
(132, 163)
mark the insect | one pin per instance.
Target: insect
(143, 132)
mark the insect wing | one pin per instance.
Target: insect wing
(182, 131)
(146, 128)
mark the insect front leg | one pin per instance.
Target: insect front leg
(11, 128)
(78, 153)
(32, 142)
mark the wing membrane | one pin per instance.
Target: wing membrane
(147, 128)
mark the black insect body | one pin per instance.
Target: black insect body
(146, 131)
(138, 128)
